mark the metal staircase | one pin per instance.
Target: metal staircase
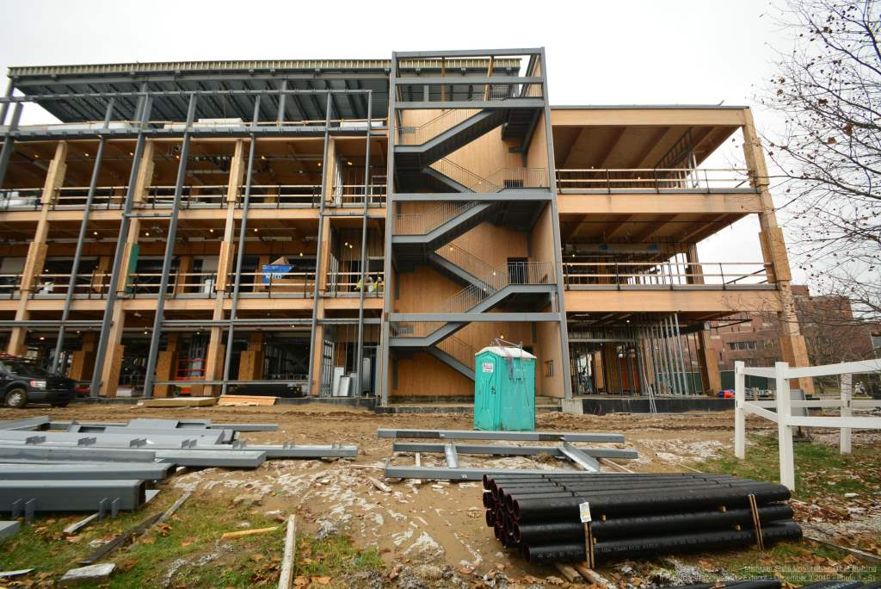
(486, 287)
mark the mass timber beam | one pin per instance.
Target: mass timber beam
(672, 301)
(623, 204)
(648, 116)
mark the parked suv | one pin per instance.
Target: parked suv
(23, 382)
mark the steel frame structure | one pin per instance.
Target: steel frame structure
(400, 77)
(583, 458)
(141, 132)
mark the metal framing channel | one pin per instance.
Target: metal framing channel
(9, 141)
(555, 218)
(464, 474)
(685, 378)
(169, 252)
(84, 225)
(325, 181)
(384, 372)
(452, 434)
(359, 366)
(508, 450)
(240, 249)
(579, 458)
(10, 88)
(125, 223)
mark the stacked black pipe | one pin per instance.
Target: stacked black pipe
(632, 514)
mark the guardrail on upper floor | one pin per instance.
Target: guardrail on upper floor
(586, 181)
(653, 275)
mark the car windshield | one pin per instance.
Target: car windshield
(22, 368)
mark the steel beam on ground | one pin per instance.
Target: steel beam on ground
(76, 471)
(206, 456)
(9, 529)
(500, 450)
(74, 454)
(515, 436)
(28, 423)
(297, 451)
(30, 496)
(119, 440)
(582, 460)
(458, 474)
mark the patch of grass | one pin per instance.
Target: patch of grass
(190, 543)
(816, 466)
(333, 556)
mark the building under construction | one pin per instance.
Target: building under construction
(363, 227)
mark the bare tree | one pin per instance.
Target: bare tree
(828, 91)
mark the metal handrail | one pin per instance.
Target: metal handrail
(652, 179)
(654, 274)
(412, 135)
(515, 273)
(501, 179)
(105, 197)
(350, 283)
(180, 283)
(485, 92)
(163, 196)
(263, 283)
(20, 199)
(424, 223)
(458, 349)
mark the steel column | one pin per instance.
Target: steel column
(84, 225)
(367, 193)
(10, 88)
(9, 142)
(281, 101)
(169, 253)
(318, 252)
(125, 223)
(388, 272)
(240, 249)
(555, 222)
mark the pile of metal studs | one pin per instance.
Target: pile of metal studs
(110, 467)
(631, 515)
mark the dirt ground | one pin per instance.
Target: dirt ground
(432, 522)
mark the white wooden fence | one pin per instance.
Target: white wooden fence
(784, 404)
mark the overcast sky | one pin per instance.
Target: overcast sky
(609, 52)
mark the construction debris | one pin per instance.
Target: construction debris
(88, 574)
(290, 553)
(241, 533)
(9, 529)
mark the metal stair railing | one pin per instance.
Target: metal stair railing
(468, 262)
(458, 349)
(424, 223)
(465, 177)
(518, 273)
(499, 180)
(412, 135)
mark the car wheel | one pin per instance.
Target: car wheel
(16, 398)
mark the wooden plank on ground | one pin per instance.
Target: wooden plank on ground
(241, 533)
(180, 402)
(245, 400)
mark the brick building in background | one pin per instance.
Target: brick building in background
(831, 332)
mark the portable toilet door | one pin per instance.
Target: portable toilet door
(487, 391)
(518, 398)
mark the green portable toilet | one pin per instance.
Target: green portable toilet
(504, 389)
